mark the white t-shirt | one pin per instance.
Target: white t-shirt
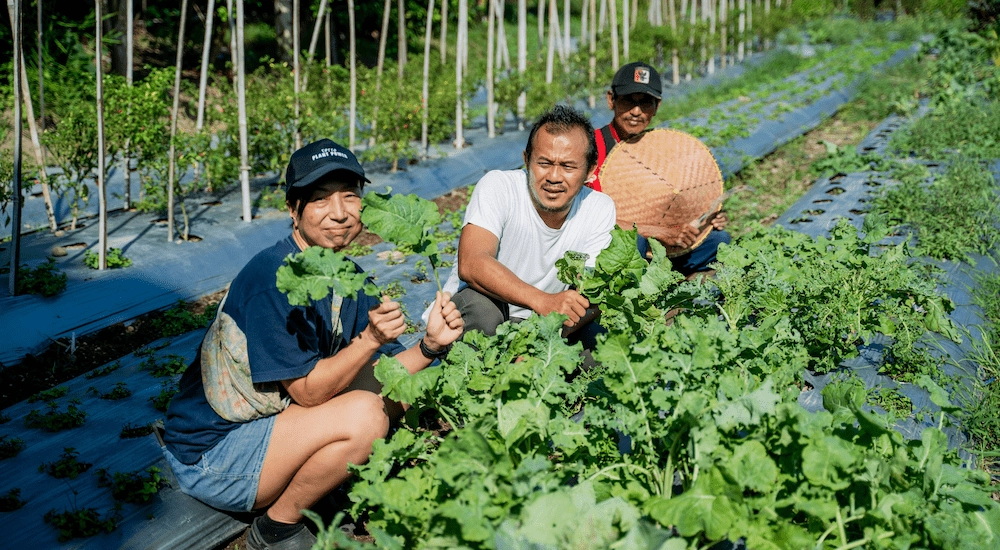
(502, 205)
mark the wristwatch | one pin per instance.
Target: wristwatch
(431, 354)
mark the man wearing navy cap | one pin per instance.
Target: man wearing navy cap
(634, 97)
(281, 398)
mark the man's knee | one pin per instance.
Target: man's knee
(480, 312)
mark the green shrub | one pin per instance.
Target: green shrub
(45, 279)
(114, 258)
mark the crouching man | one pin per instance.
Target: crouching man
(273, 409)
(519, 222)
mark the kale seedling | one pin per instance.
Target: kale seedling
(120, 391)
(115, 259)
(55, 420)
(103, 371)
(133, 487)
(49, 395)
(46, 279)
(10, 447)
(85, 522)
(162, 400)
(11, 500)
(171, 365)
(131, 432)
(68, 466)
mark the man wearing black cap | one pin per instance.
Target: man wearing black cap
(281, 398)
(634, 97)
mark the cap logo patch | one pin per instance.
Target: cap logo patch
(641, 75)
(328, 151)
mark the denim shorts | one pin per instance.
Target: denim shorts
(228, 474)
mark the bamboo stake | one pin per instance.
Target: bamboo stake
(443, 45)
(241, 102)
(459, 116)
(424, 145)
(14, 8)
(741, 30)
(401, 44)
(592, 73)
(503, 50)
(603, 17)
(173, 122)
(29, 114)
(205, 51)
(584, 22)
(634, 13)
(463, 32)
(129, 48)
(694, 21)
(707, 55)
(41, 79)
(723, 31)
(542, 8)
(566, 34)
(102, 200)
(675, 59)
(297, 72)
(522, 57)
(326, 32)
(625, 28)
(613, 10)
(380, 66)
(352, 118)
(313, 40)
(490, 114)
(553, 30)
(749, 51)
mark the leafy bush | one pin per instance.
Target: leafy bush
(49, 395)
(11, 500)
(169, 365)
(45, 279)
(180, 319)
(131, 432)
(161, 400)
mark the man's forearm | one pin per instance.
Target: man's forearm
(489, 276)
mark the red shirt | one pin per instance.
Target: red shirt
(606, 138)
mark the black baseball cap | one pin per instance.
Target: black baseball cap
(318, 159)
(637, 77)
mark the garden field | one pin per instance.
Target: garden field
(831, 385)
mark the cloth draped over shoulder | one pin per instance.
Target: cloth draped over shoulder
(225, 372)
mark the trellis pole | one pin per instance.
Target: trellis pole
(463, 13)
(625, 29)
(401, 44)
(102, 198)
(241, 102)
(172, 176)
(490, 116)
(29, 114)
(129, 48)
(352, 117)
(522, 57)
(205, 51)
(592, 74)
(14, 8)
(424, 145)
(297, 69)
(613, 10)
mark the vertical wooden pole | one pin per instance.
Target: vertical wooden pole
(102, 198)
(129, 48)
(326, 32)
(613, 10)
(380, 66)
(553, 30)
(443, 44)
(313, 40)
(29, 114)
(675, 59)
(41, 80)
(522, 57)
(352, 117)
(241, 102)
(463, 12)
(172, 176)
(566, 33)
(625, 30)
(592, 72)
(205, 51)
(14, 7)
(424, 145)
(296, 69)
(401, 44)
(584, 22)
(490, 116)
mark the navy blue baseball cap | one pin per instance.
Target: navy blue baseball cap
(313, 161)
(637, 78)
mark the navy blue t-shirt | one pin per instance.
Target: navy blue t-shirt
(284, 342)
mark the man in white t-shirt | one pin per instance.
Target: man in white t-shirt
(518, 223)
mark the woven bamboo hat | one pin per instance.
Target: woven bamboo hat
(663, 177)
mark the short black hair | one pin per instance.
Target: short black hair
(297, 197)
(559, 120)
